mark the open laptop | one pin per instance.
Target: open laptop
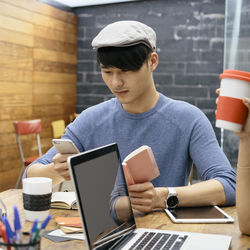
(93, 174)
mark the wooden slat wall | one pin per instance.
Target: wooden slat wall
(38, 55)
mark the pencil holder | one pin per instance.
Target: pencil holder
(25, 245)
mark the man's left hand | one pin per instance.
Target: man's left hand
(143, 197)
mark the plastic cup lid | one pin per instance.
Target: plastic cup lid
(236, 74)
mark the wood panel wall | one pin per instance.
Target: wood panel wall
(38, 55)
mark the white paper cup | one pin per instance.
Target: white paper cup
(231, 112)
(37, 193)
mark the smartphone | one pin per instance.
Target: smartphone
(65, 146)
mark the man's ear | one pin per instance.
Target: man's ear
(153, 61)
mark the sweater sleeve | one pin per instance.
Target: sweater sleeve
(209, 159)
(118, 191)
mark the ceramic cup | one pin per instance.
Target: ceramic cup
(37, 193)
(231, 112)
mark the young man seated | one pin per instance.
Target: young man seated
(178, 133)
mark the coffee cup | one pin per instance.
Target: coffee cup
(37, 193)
(231, 112)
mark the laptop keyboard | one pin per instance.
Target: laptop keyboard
(159, 241)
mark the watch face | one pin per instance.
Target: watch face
(172, 201)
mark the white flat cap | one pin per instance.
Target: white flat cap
(125, 33)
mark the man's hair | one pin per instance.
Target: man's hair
(130, 58)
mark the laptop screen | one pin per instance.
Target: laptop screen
(94, 173)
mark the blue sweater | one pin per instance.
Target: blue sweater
(177, 132)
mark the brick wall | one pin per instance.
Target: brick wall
(190, 47)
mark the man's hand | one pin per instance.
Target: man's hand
(143, 197)
(246, 129)
(60, 165)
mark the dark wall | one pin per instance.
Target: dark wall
(190, 46)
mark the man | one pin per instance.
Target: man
(177, 132)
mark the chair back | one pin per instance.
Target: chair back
(73, 116)
(58, 128)
(26, 128)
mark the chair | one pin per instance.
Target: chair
(27, 128)
(73, 116)
(58, 128)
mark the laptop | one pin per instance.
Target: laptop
(93, 174)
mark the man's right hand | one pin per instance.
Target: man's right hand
(61, 166)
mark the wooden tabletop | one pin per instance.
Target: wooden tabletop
(158, 220)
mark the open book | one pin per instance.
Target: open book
(66, 200)
(140, 166)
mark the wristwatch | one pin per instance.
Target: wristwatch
(172, 199)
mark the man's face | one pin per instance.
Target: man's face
(129, 86)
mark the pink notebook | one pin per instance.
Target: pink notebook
(140, 166)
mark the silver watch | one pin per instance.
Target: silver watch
(172, 199)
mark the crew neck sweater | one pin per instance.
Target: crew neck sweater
(178, 133)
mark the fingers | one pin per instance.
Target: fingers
(148, 194)
(60, 165)
(217, 99)
(246, 101)
(142, 208)
(60, 157)
(141, 187)
(142, 204)
(65, 175)
(142, 196)
(140, 201)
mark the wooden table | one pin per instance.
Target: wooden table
(158, 220)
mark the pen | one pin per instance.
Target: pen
(9, 232)
(33, 233)
(45, 223)
(33, 230)
(3, 234)
(17, 226)
(38, 228)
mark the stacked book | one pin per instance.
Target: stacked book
(70, 225)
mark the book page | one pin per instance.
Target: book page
(135, 152)
(63, 199)
(69, 230)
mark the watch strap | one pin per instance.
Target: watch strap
(171, 191)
